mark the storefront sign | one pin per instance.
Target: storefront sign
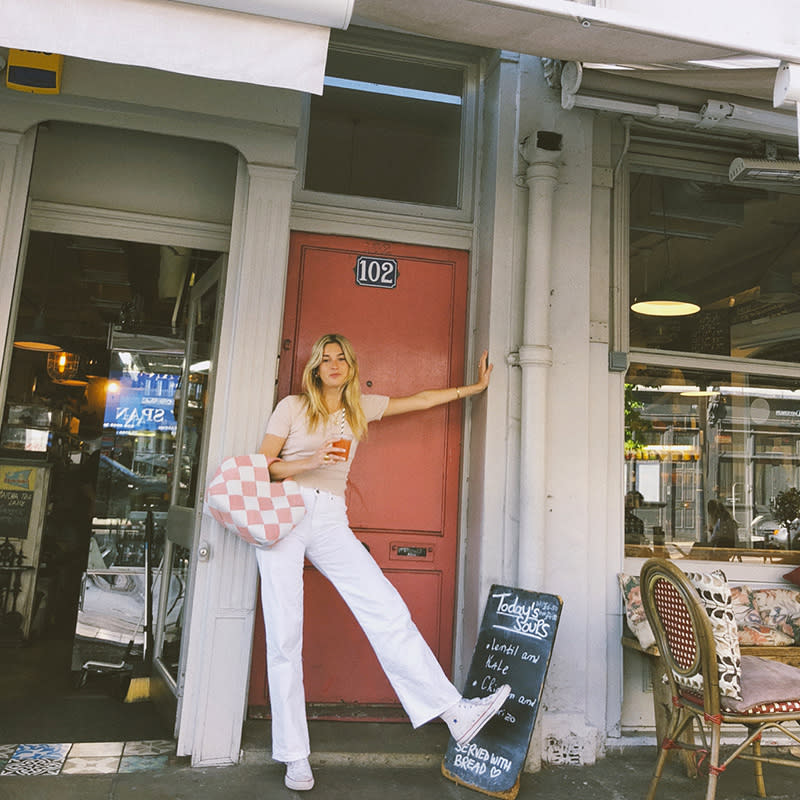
(379, 272)
(144, 402)
(515, 642)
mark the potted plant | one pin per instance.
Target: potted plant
(786, 508)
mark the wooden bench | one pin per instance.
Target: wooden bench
(662, 700)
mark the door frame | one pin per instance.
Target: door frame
(167, 691)
(67, 219)
(428, 232)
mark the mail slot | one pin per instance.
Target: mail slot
(411, 552)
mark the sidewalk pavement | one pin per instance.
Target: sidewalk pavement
(375, 761)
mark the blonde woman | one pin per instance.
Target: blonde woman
(301, 433)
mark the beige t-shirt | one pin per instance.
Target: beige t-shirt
(288, 421)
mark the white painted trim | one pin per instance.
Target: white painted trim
(373, 224)
(722, 363)
(379, 44)
(16, 161)
(224, 597)
(130, 226)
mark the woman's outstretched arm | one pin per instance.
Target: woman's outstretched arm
(437, 397)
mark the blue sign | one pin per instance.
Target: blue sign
(143, 402)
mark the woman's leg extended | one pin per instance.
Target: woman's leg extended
(411, 667)
(281, 569)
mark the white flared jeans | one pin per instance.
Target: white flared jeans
(325, 538)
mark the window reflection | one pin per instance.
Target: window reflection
(387, 127)
(712, 465)
(733, 250)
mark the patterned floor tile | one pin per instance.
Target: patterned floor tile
(33, 766)
(7, 750)
(142, 763)
(90, 765)
(46, 751)
(150, 747)
(93, 749)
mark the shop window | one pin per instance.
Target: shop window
(388, 126)
(712, 465)
(712, 416)
(733, 251)
(97, 354)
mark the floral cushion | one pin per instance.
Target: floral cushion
(750, 626)
(715, 594)
(763, 636)
(744, 607)
(780, 609)
(634, 610)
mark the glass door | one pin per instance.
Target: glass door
(192, 411)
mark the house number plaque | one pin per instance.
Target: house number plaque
(376, 271)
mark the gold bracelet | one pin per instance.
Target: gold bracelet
(458, 393)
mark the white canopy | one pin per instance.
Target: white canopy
(188, 38)
(622, 32)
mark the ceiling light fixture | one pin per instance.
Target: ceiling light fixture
(64, 369)
(667, 301)
(62, 365)
(37, 338)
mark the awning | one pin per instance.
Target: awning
(652, 33)
(684, 35)
(330, 13)
(190, 38)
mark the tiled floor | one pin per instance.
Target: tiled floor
(87, 758)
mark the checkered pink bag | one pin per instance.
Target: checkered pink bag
(242, 497)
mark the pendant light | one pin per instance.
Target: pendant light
(36, 337)
(62, 366)
(667, 301)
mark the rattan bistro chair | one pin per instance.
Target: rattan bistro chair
(683, 634)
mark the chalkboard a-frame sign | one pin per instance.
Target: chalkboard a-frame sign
(515, 642)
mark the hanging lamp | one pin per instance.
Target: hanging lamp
(667, 301)
(36, 337)
(62, 365)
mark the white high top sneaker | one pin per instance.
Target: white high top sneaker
(467, 717)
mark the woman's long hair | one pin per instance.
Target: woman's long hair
(316, 409)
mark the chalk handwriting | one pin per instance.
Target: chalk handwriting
(477, 760)
(522, 618)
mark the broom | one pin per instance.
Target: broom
(139, 686)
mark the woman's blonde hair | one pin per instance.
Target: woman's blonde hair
(316, 409)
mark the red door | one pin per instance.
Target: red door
(403, 489)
